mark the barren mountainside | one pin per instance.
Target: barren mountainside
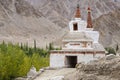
(61, 11)
(109, 27)
(47, 20)
(21, 22)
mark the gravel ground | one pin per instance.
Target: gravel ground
(48, 74)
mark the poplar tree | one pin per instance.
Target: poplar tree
(34, 45)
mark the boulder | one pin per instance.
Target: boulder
(32, 73)
(57, 78)
(20, 78)
(107, 66)
(79, 65)
(110, 57)
(83, 76)
(42, 70)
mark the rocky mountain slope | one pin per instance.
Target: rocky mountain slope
(47, 20)
(59, 11)
(109, 27)
(21, 22)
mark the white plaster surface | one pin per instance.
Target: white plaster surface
(81, 25)
(94, 35)
(80, 46)
(58, 60)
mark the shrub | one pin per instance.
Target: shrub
(110, 51)
(16, 61)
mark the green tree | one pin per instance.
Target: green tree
(51, 46)
(117, 47)
(21, 46)
(25, 66)
(34, 45)
(14, 61)
(11, 62)
(38, 61)
(30, 52)
(110, 50)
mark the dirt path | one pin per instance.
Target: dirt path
(53, 73)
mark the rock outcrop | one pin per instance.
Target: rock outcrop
(32, 73)
(107, 68)
(58, 78)
(25, 9)
(62, 11)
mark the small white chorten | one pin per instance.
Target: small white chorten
(80, 44)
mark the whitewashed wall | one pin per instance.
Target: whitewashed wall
(94, 35)
(58, 60)
(81, 25)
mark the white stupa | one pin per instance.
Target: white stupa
(80, 44)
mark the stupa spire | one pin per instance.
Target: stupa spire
(89, 19)
(78, 14)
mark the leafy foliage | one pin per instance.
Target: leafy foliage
(110, 50)
(117, 47)
(17, 60)
(51, 47)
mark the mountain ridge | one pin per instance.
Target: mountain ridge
(25, 25)
(46, 21)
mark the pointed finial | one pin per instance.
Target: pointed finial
(77, 5)
(78, 15)
(89, 19)
(89, 10)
